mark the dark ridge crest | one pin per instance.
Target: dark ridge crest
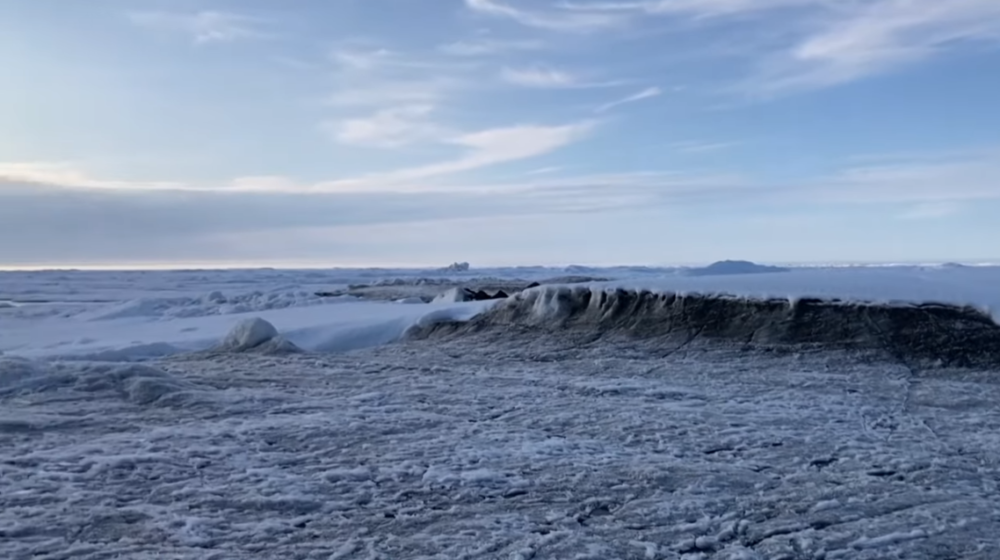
(926, 334)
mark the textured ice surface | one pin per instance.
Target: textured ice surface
(504, 444)
(501, 447)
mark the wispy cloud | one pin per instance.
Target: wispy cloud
(647, 93)
(932, 210)
(862, 39)
(934, 188)
(482, 149)
(555, 20)
(828, 42)
(487, 47)
(388, 128)
(478, 149)
(544, 170)
(695, 8)
(544, 77)
(375, 76)
(949, 178)
(204, 27)
(380, 92)
(361, 59)
(696, 147)
(71, 174)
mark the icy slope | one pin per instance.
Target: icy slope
(345, 326)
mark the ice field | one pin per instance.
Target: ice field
(127, 432)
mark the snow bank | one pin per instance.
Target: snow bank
(158, 322)
(318, 328)
(929, 333)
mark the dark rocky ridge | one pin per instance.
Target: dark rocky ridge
(429, 288)
(919, 335)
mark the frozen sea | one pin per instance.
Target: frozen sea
(122, 435)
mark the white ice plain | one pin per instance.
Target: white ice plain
(497, 445)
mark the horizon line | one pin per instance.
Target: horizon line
(181, 267)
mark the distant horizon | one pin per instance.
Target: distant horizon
(172, 267)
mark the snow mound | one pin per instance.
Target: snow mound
(255, 334)
(137, 384)
(133, 353)
(17, 374)
(935, 334)
(734, 267)
(250, 333)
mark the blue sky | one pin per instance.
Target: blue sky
(403, 132)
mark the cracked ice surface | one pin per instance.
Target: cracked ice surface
(479, 449)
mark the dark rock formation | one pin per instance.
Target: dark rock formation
(928, 334)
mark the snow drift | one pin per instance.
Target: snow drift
(255, 334)
(928, 333)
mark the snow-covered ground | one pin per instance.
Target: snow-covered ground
(479, 450)
(497, 445)
(143, 314)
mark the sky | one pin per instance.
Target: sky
(142, 133)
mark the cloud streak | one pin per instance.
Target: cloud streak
(879, 36)
(482, 149)
(487, 47)
(696, 147)
(566, 21)
(485, 148)
(695, 8)
(648, 93)
(953, 177)
(388, 128)
(831, 42)
(204, 27)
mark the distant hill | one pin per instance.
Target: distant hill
(723, 268)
